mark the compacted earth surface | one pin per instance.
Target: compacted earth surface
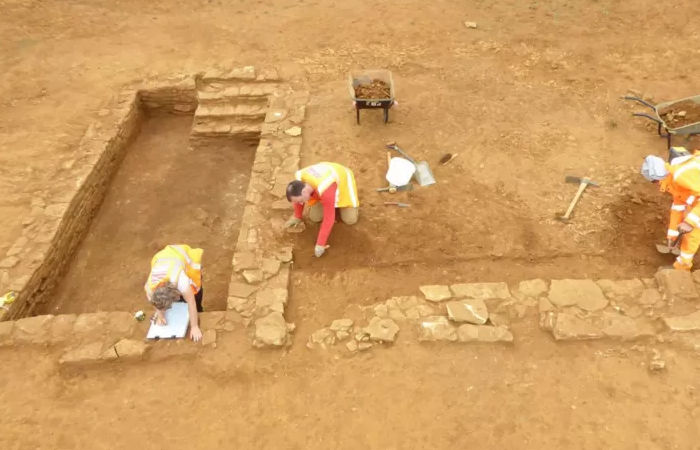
(528, 97)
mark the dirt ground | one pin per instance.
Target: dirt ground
(535, 395)
(530, 96)
(166, 191)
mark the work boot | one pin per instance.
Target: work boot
(681, 266)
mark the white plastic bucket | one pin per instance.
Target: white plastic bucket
(400, 171)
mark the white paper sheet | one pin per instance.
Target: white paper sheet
(177, 318)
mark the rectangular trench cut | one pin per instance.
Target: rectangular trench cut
(167, 190)
(200, 159)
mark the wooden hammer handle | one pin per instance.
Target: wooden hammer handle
(581, 188)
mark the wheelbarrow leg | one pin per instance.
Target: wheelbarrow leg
(357, 112)
(386, 115)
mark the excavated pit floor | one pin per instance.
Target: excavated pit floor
(166, 191)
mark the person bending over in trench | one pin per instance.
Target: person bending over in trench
(176, 276)
(324, 187)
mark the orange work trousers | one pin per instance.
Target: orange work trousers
(689, 246)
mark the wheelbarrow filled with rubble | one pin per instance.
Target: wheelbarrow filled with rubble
(677, 117)
(372, 89)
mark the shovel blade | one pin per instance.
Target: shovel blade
(663, 249)
(423, 175)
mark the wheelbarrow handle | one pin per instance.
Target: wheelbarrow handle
(637, 99)
(648, 117)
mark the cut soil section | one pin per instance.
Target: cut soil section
(375, 90)
(681, 114)
(165, 192)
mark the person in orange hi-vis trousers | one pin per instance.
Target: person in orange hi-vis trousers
(681, 179)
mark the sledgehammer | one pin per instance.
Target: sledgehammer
(583, 183)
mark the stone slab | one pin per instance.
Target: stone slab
(436, 292)
(88, 353)
(623, 327)
(253, 276)
(471, 311)
(323, 338)
(544, 305)
(676, 284)
(121, 324)
(569, 327)
(382, 329)
(271, 266)
(437, 328)
(483, 333)
(90, 324)
(209, 337)
(271, 330)
(481, 291)
(341, 324)
(649, 296)
(242, 290)
(622, 289)
(531, 288)
(210, 320)
(32, 330)
(585, 294)
(130, 349)
(690, 322)
(244, 260)
(62, 328)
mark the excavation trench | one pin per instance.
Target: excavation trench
(167, 190)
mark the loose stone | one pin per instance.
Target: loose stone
(472, 311)
(437, 328)
(382, 330)
(436, 293)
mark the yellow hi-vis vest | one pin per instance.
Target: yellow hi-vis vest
(168, 263)
(320, 176)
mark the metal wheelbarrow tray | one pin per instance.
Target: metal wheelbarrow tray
(661, 109)
(359, 77)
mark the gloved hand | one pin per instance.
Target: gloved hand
(319, 250)
(292, 222)
(685, 227)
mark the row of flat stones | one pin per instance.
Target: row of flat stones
(568, 309)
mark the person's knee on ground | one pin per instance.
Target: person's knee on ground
(349, 216)
(316, 213)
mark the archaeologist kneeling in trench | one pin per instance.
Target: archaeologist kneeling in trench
(324, 187)
(681, 179)
(176, 276)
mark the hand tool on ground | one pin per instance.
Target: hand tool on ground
(399, 204)
(583, 183)
(423, 175)
(392, 188)
(447, 157)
